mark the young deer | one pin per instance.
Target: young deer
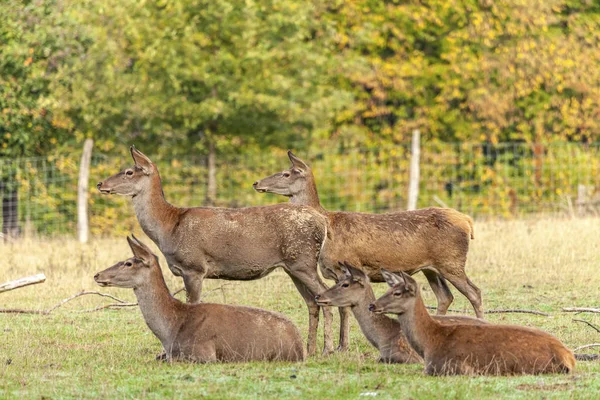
(432, 240)
(385, 333)
(470, 349)
(201, 332)
(223, 243)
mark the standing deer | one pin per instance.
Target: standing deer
(385, 333)
(201, 332)
(432, 240)
(461, 349)
(222, 243)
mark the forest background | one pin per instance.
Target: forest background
(219, 90)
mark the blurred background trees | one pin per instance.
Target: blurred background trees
(210, 79)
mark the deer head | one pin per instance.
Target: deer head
(134, 271)
(348, 291)
(291, 182)
(133, 180)
(401, 296)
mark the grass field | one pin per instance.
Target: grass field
(541, 265)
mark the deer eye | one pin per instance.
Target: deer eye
(345, 285)
(286, 174)
(129, 172)
(128, 264)
(398, 293)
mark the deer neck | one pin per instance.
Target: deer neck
(377, 328)
(418, 326)
(156, 216)
(309, 196)
(159, 308)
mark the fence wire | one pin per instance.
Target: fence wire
(508, 180)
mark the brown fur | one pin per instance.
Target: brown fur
(460, 349)
(202, 332)
(354, 291)
(223, 243)
(434, 240)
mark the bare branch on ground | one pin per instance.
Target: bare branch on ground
(589, 323)
(581, 309)
(506, 311)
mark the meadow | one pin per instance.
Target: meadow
(536, 264)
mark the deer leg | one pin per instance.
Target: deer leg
(192, 281)
(440, 290)
(464, 285)
(313, 316)
(344, 328)
(309, 286)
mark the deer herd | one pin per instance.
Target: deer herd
(350, 248)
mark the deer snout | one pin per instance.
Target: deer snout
(322, 301)
(99, 185)
(96, 276)
(372, 307)
(255, 186)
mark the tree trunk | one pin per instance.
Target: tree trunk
(211, 185)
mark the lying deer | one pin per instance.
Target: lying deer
(385, 333)
(201, 332)
(223, 243)
(434, 240)
(470, 349)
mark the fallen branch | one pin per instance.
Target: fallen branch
(589, 323)
(113, 305)
(60, 304)
(517, 311)
(120, 303)
(30, 280)
(20, 311)
(498, 311)
(581, 309)
(586, 346)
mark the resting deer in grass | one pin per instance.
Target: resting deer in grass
(470, 349)
(385, 333)
(201, 332)
(223, 243)
(432, 240)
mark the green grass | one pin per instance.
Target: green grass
(542, 265)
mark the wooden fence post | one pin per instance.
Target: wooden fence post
(82, 192)
(413, 184)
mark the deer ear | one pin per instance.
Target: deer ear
(357, 274)
(140, 250)
(141, 160)
(409, 283)
(296, 162)
(391, 278)
(347, 273)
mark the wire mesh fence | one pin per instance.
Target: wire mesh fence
(506, 180)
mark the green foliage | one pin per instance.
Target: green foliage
(36, 38)
(177, 72)
(472, 70)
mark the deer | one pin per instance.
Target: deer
(224, 243)
(461, 349)
(201, 332)
(432, 240)
(383, 332)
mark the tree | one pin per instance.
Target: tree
(35, 39)
(184, 76)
